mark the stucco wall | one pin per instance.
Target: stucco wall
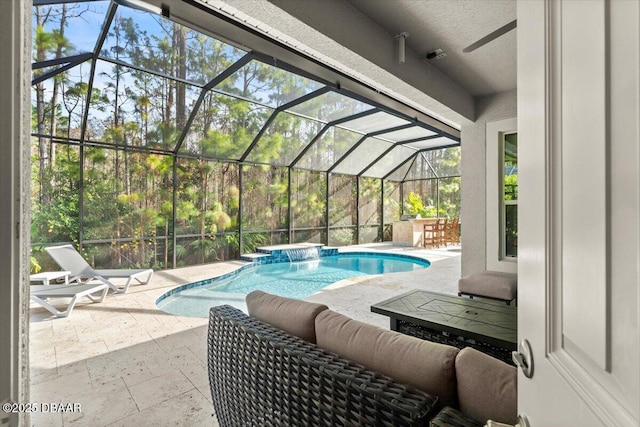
(473, 215)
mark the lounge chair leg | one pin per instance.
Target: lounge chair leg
(145, 281)
(100, 297)
(54, 310)
(137, 278)
(112, 286)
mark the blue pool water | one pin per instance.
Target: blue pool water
(293, 280)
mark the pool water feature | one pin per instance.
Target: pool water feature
(298, 279)
(303, 254)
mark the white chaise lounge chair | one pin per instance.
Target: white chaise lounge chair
(69, 259)
(41, 294)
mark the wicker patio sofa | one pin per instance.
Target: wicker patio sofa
(262, 375)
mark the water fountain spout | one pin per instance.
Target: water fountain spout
(303, 254)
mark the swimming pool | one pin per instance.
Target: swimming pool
(293, 280)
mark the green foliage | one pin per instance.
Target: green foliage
(35, 266)
(135, 121)
(55, 217)
(415, 205)
(252, 240)
(37, 253)
(342, 236)
(449, 207)
(511, 187)
(308, 199)
(445, 162)
(180, 251)
(265, 198)
(57, 221)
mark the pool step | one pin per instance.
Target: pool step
(289, 247)
(254, 256)
(287, 253)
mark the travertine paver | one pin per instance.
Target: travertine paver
(130, 364)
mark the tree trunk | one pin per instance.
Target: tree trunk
(179, 45)
(56, 84)
(40, 112)
(116, 125)
(203, 207)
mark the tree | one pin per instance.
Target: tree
(50, 42)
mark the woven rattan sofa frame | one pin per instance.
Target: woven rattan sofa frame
(262, 376)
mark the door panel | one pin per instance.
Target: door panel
(582, 177)
(579, 142)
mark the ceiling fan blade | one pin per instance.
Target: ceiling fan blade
(494, 35)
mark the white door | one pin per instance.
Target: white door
(579, 216)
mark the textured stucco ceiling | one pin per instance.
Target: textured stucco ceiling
(357, 38)
(452, 25)
(335, 33)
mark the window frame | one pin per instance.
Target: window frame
(503, 201)
(494, 195)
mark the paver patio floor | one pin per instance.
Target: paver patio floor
(127, 363)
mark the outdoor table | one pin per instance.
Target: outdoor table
(487, 326)
(47, 276)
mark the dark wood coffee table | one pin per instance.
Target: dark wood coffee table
(488, 326)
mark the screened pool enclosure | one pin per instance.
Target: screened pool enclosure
(155, 144)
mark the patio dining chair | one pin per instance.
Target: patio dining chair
(69, 259)
(430, 233)
(442, 224)
(453, 231)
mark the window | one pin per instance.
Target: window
(501, 155)
(509, 211)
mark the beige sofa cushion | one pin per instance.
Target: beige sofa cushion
(291, 315)
(487, 387)
(427, 366)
